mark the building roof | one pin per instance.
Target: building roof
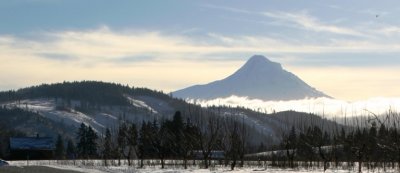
(215, 154)
(32, 143)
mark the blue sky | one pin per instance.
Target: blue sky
(348, 49)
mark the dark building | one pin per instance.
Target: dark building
(215, 154)
(31, 148)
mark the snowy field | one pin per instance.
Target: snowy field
(96, 166)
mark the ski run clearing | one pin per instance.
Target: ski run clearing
(97, 166)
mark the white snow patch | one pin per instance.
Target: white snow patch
(140, 104)
(33, 105)
(109, 116)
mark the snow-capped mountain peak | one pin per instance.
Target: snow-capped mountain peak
(258, 78)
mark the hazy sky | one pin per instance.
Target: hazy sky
(347, 49)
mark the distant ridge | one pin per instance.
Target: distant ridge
(258, 78)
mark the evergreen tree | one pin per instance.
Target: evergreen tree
(162, 141)
(107, 146)
(71, 149)
(176, 128)
(60, 150)
(87, 145)
(326, 139)
(143, 143)
(121, 140)
(290, 146)
(383, 142)
(82, 141)
(91, 142)
(131, 139)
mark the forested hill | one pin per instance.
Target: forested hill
(104, 105)
(93, 92)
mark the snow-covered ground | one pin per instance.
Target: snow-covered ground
(96, 166)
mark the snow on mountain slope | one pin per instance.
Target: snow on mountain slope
(99, 119)
(140, 104)
(258, 78)
(157, 104)
(47, 108)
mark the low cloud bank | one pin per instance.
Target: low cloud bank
(321, 106)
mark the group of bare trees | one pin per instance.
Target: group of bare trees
(375, 144)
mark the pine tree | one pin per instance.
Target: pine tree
(107, 146)
(91, 142)
(290, 146)
(176, 128)
(121, 140)
(71, 149)
(60, 151)
(82, 141)
(383, 143)
(143, 143)
(132, 138)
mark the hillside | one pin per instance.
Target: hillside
(61, 107)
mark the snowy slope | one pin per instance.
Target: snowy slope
(104, 117)
(263, 127)
(68, 107)
(259, 78)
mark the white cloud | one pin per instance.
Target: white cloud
(310, 23)
(322, 106)
(156, 60)
(389, 30)
(104, 45)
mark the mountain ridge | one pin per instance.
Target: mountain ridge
(258, 78)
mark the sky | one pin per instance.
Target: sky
(347, 49)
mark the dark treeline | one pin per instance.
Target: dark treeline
(175, 139)
(93, 93)
(376, 146)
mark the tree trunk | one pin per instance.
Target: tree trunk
(206, 162)
(185, 162)
(241, 161)
(233, 164)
